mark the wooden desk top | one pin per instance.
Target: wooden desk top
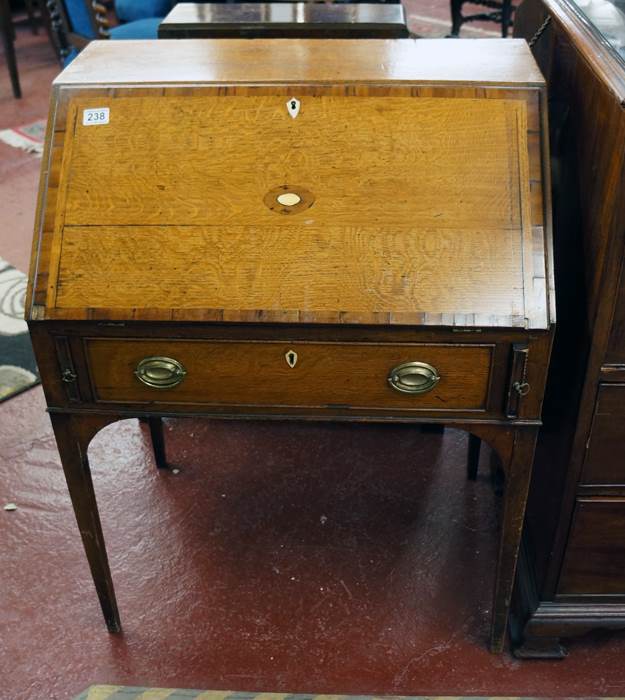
(418, 205)
(284, 20)
(300, 61)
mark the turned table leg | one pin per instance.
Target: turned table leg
(518, 471)
(73, 434)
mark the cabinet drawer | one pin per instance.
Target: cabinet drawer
(605, 459)
(616, 347)
(346, 375)
(594, 562)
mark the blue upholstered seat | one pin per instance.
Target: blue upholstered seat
(139, 29)
(131, 10)
(79, 18)
(80, 22)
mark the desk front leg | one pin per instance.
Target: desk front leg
(518, 471)
(73, 434)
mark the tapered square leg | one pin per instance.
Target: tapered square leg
(73, 434)
(518, 471)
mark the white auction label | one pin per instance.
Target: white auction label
(91, 117)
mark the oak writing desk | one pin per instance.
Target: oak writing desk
(243, 229)
(284, 20)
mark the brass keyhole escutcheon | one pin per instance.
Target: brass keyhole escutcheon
(291, 358)
(288, 199)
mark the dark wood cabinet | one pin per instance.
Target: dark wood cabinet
(571, 577)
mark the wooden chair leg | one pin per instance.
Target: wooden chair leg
(518, 471)
(506, 17)
(32, 16)
(473, 457)
(158, 441)
(6, 29)
(456, 17)
(73, 434)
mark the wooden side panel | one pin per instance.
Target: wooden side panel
(595, 557)
(605, 456)
(257, 373)
(599, 122)
(616, 346)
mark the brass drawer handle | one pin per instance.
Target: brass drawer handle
(160, 372)
(413, 378)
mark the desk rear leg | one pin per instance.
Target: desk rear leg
(73, 434)
(158, 441)
(473, 457)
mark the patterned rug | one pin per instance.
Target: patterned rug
(119, 692)
(29, 138)
(18, 370)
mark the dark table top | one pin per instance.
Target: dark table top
(284, 20)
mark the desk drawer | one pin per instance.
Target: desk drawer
(290, 374)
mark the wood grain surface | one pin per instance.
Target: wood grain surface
(211, 160)
(604, 462)
(594, 561)
(256, 373)
(615, 353)
(315, 270)
(504, 189)
(409, 193)
(279, 61)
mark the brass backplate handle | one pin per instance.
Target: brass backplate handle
(160, 372)
(413, 378)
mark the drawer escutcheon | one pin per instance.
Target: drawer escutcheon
(413, 378)
(160, 372)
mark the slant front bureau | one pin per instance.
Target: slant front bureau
(341, 230)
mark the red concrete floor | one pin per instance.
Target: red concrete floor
(282, 557)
